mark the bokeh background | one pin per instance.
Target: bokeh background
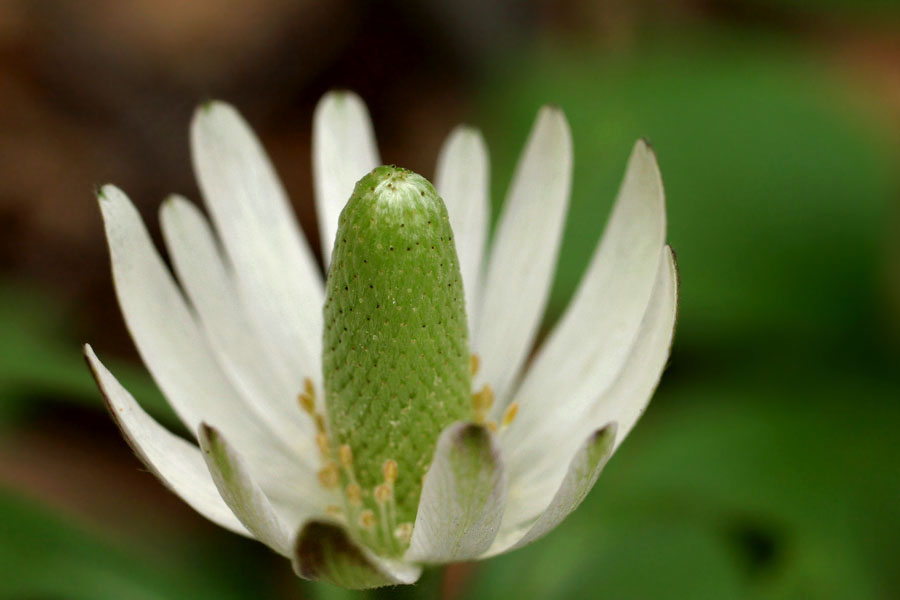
(767, 465)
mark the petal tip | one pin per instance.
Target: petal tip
(604, 438)
(96, 368)
(109, 193)
(210, 106)
(552, 108)
(99, 192)
(341, 100)
(171, 204)
(555, 115)
(467, 132)
(472, 437)
(646, 145)
(115, 206)
(214, 445)
(208, 433)
(552, 133)
(339, 95)
(469, 431)
(211, 117)
(93, 365)
(644, 151)
(643, 181)
(174, 200)
(672, 257)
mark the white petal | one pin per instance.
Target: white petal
(247, 360)
(524, 253)
(241, 493)
(586, 351)
(171, 344)
(344, 149)
(540, 461)
(462, 180)
(627, 399)
(462, 498)
(174, 461)
(324, 551)
(176, 350)
(584, 470)
(275, 271)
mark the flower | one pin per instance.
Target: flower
(404, 450)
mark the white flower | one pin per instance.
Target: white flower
(236, 346)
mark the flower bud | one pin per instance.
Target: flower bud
(396, 356)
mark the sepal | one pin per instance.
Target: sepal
(463, 498)
(324, 551)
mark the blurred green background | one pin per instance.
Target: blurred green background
(766, 466)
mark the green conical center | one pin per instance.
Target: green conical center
(396, 355)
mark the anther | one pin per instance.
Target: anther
(492, 425)
(329, 476)
(390, 470)
(322, 443)
(509, 414)
(308, 387)
(354, 494)
(482, 402)
(403, 532)
(383, 493)
(345, 454)
(334, 510)
(307, 403)
(367, 519)
(474, 364)
(320, 423)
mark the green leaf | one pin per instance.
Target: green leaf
(37, 360)
(44, 556)
(734, 488)
(777, 186)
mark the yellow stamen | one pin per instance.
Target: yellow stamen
(320, 423)
(492, 425)
(329, 476)
(307, 403)
(390, 470)
(333, 510)
(367, 519)
(509, 414)
(308, 387)
(383, 493)
(482, 402)
(354, 494)
(322, 443)
(474, 365)
(345, 454)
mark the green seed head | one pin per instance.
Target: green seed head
(396, 355)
